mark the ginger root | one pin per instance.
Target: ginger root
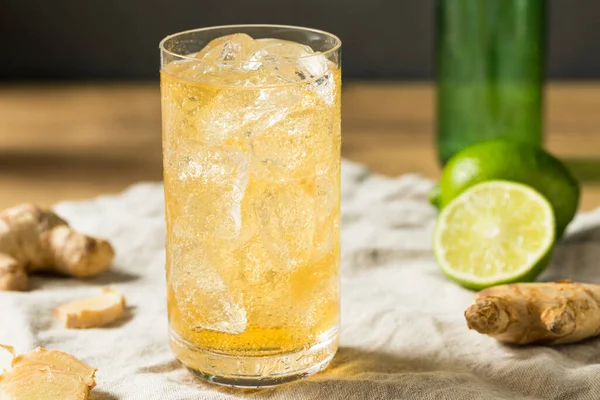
(542, 313)
(57, 360)
(32, 240)
(48, 375)
(92, 312)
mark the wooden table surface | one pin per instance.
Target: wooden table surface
(60, 142)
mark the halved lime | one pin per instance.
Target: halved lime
(502, 159)
(493, 233)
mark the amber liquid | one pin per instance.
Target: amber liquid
(252, 207)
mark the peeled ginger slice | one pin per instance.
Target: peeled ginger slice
(92, 312)
(46, 375)
(56, 359)
(41, 382)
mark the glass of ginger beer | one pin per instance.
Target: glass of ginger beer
(251, 158)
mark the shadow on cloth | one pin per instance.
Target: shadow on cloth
(112, 276)
(98, 394)
(569, 355)
(128, 316)
(167, 366)
(357, 373)
(575, 257)
(348, 364)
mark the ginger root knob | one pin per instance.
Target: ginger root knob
(33, 239)
(543, 313)
(487, 316)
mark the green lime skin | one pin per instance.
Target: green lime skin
(434, 196)
(500, 159)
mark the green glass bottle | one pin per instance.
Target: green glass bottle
(490, 67)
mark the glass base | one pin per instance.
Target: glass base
(255, 371)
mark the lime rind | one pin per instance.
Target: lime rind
(536, 260)
(434, 196)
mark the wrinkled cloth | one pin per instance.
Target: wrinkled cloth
(403, 334)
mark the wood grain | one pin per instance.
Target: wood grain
(60, 142)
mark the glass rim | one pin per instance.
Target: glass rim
(337, 41)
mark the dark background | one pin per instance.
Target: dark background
(382, 39)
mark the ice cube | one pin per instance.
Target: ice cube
(221, 119)
(277, 49)
(290, 61)
(237, 115)
(236, 47)
(293, 139)
(220, 165)
(325, 88)
(265, 285)
(286, 130)
(212, 183)
(286, 218)
(313, 66)
(284, 148)
(294, 62)
(202, 296)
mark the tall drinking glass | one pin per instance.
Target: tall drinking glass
(251, 149)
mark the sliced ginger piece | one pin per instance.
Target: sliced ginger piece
(46, 375)
(9, 348)
(56, 359)
(41, 382)
(92, 312)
